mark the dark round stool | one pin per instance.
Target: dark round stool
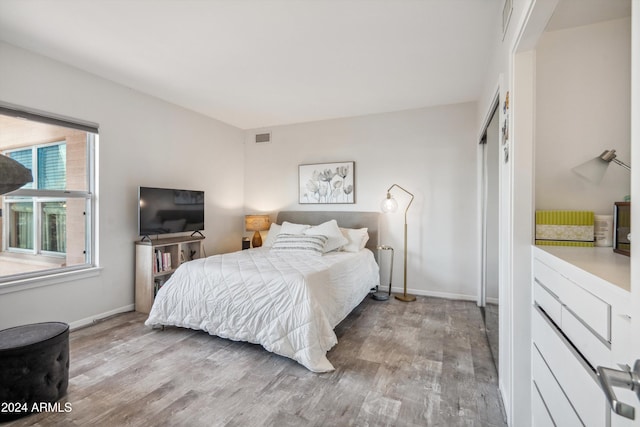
(34, 367)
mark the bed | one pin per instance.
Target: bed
(287, 301)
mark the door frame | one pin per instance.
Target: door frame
(635, 173)
(482, 247)
(517, 219)
(505, 352)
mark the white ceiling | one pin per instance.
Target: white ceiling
(575, 13)
(260, 63)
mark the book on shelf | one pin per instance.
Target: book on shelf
(162, 261)
(158, 264)
(157, 284)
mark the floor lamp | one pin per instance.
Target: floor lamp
(389, 204)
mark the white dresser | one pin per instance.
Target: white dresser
(580, 321)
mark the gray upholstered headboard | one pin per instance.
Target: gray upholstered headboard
(345, 219)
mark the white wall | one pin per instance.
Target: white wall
(583, 78)
(430, 152)
(143, 141)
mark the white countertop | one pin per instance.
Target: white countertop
(602, 262)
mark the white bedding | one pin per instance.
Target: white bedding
(287, 303)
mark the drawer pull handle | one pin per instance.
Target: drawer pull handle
(628, 379)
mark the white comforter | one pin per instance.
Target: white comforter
(287, 303)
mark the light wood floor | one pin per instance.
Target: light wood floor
(397, 364)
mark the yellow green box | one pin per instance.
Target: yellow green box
(564, 228)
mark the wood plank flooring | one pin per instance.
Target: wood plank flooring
(425, 363)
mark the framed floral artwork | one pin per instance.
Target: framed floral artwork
(327, 183)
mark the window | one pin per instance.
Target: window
(48, 166)
(47, 225)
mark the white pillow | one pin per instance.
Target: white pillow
(299, 243)
(291, 228)
(332, 231)
(357, 238)
(274, 230)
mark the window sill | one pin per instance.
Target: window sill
(47, 280)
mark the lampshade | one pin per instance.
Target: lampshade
(12, 175)
(593, 170)
(389, 204)
(256, 222)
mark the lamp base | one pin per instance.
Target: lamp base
(380, 296)
(256, 242)
(405, 297)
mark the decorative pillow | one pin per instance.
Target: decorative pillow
(357, 238)
(291, 228)
(333, 233)
(299, 243)
(274, 230)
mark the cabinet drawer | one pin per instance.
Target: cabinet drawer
(549, 302)
(594, 349)
(574, 376)
(556, 402)
(593, 311)
(539, 412)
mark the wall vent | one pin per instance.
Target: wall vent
(263, 138)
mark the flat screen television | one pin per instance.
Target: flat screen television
(167, 210)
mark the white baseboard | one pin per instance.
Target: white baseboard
(91, 320)
(446, 295)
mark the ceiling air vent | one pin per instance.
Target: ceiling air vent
(263, 138)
